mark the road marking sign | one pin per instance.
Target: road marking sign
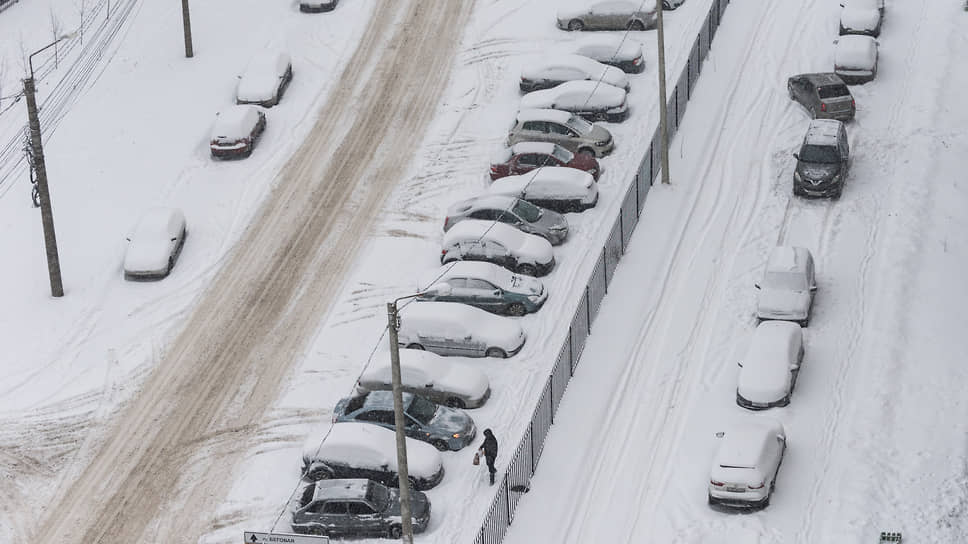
(283, 538)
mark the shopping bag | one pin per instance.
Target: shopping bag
(477, 458)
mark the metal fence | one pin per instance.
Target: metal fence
(516, 478)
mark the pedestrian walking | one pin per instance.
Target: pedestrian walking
(489, 450)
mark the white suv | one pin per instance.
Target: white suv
(788, 286)
(745, 468)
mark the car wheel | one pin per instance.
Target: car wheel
(440, 445)
(517, 309)
(454, 402)
(573, 206)
(576, 24)
(587, 152)
(415, 346)
(412, 481)
(636, 25)
(395, 532)
(320, 474)
(527, 269)
(496, 353)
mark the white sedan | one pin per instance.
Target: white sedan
(593, 100)
(553, 187)
(265, 79)
(154, 244)
(861, 17)
(617, 51)
(426, 374)
(551, 70)
(855, 59)
(451, 328)
(745, 467)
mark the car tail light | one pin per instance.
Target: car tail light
(637, 61)
(760, 486)
(443, 252)
(213, 142)
(494, 169)
(853, 104)
(446, 220)
(823, 107)
(717, 484)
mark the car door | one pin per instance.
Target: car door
(485, 294)
(524, 163)
(533, 131)
(614, 15)
(497, 253)
(473, 250)
(383, 418)
(333, 517)
(458, 291)
(562, 135)
(365, 518)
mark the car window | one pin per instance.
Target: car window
(555, 128)
(819, 153)
(334, 507)
(526, 211)
(539, 126)
(457, 283)
(833, 91)
(315, 508)
(480, 284)
(579, 125)
(489, 215)
(529, 159)
(355, 403)
(360, 509)
(562, 154)
(377, 416)
(378, 496)
(789, 281)
(422, 410)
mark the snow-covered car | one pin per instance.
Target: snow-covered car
(861, 17)
(265, 79)
(823, 160)
(551, 70)
(824, 95)
(671, 5)
(769, 369)
(449, 328)
(361, 450)
(316, 6)
(563, 128)
(617, 51)
(518, 213)
(355, 508)
(607, 15)
(552, 187)
(154, 244)
(855, 59)
(442, 427)
(236, 131)
(430, 376)
(524, 157)
(746, 465)
(498, 243)
(486, 286)
(788, 286)
(589, 99)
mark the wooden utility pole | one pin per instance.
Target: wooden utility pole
(187, 24)
(663, 102)
(46, 213)
(403, 472)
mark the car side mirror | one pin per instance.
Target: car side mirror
(796, 156)
(174, 238)
(813, 288)
(739, 364)
(756, 285)
(497, 292)
(128, 238)
(836, 41)
(794, 366)
(429, 385)
(780, 438)
(720, 434)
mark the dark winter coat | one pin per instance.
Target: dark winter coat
(489, 446)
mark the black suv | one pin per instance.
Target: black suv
(356, 508)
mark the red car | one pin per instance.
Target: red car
(526, 156)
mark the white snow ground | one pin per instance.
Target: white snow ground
(876, 427)
(123, 147)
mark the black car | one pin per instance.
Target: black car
(356, 508)
(823, 160)
(442, 427)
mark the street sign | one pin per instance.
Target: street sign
(283, 538)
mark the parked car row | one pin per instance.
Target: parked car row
(745, 468)
(495, 246)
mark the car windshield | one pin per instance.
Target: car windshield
(819, 153)
(422, 410)
(377, 495)
(579, 125)
(527, 211)
(788, 281)
(833, 91)
(562, 154)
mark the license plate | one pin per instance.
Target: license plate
(733, 489)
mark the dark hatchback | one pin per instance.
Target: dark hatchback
(442, 427)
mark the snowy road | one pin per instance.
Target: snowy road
(876, 427)
(228, 363)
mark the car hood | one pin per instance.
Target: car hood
(783, 303)
(537, 248)
(146, 256)
(859, 18)
(552, 221)
(452, 421)
(526, 285)
(818, 171)
(600, 134)
(764, 384)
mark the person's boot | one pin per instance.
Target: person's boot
(492, 478)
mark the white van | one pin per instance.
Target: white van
(768, 371)
(744, 471)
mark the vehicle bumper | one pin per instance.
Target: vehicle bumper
(145, 275)
(308, 8)
(424, 484)
(855, 77)
(617, 115)
(750, 405)
(229, 151)
(544, 269)
(827, 189)
(846, 115)
(749, 499)
(470, 403)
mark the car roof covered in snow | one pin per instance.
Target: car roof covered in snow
(823, 132)
(345, 488)
(484, 201)
(534, 67)
(484, 270)
(579, 95)
(159, 221)
(787, 258)
(606, 47)
(476, 229)
(235, 122)
(544, 114)
(819, 79)
(855, 52)
(544, 148)
(418, 366)
(742, 444)
(367, 445)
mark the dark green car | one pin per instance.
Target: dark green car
(356, 508)
(486, 286)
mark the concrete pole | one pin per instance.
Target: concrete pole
(187, 24)
(46, 213)
(663, 101)
(406, 520)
